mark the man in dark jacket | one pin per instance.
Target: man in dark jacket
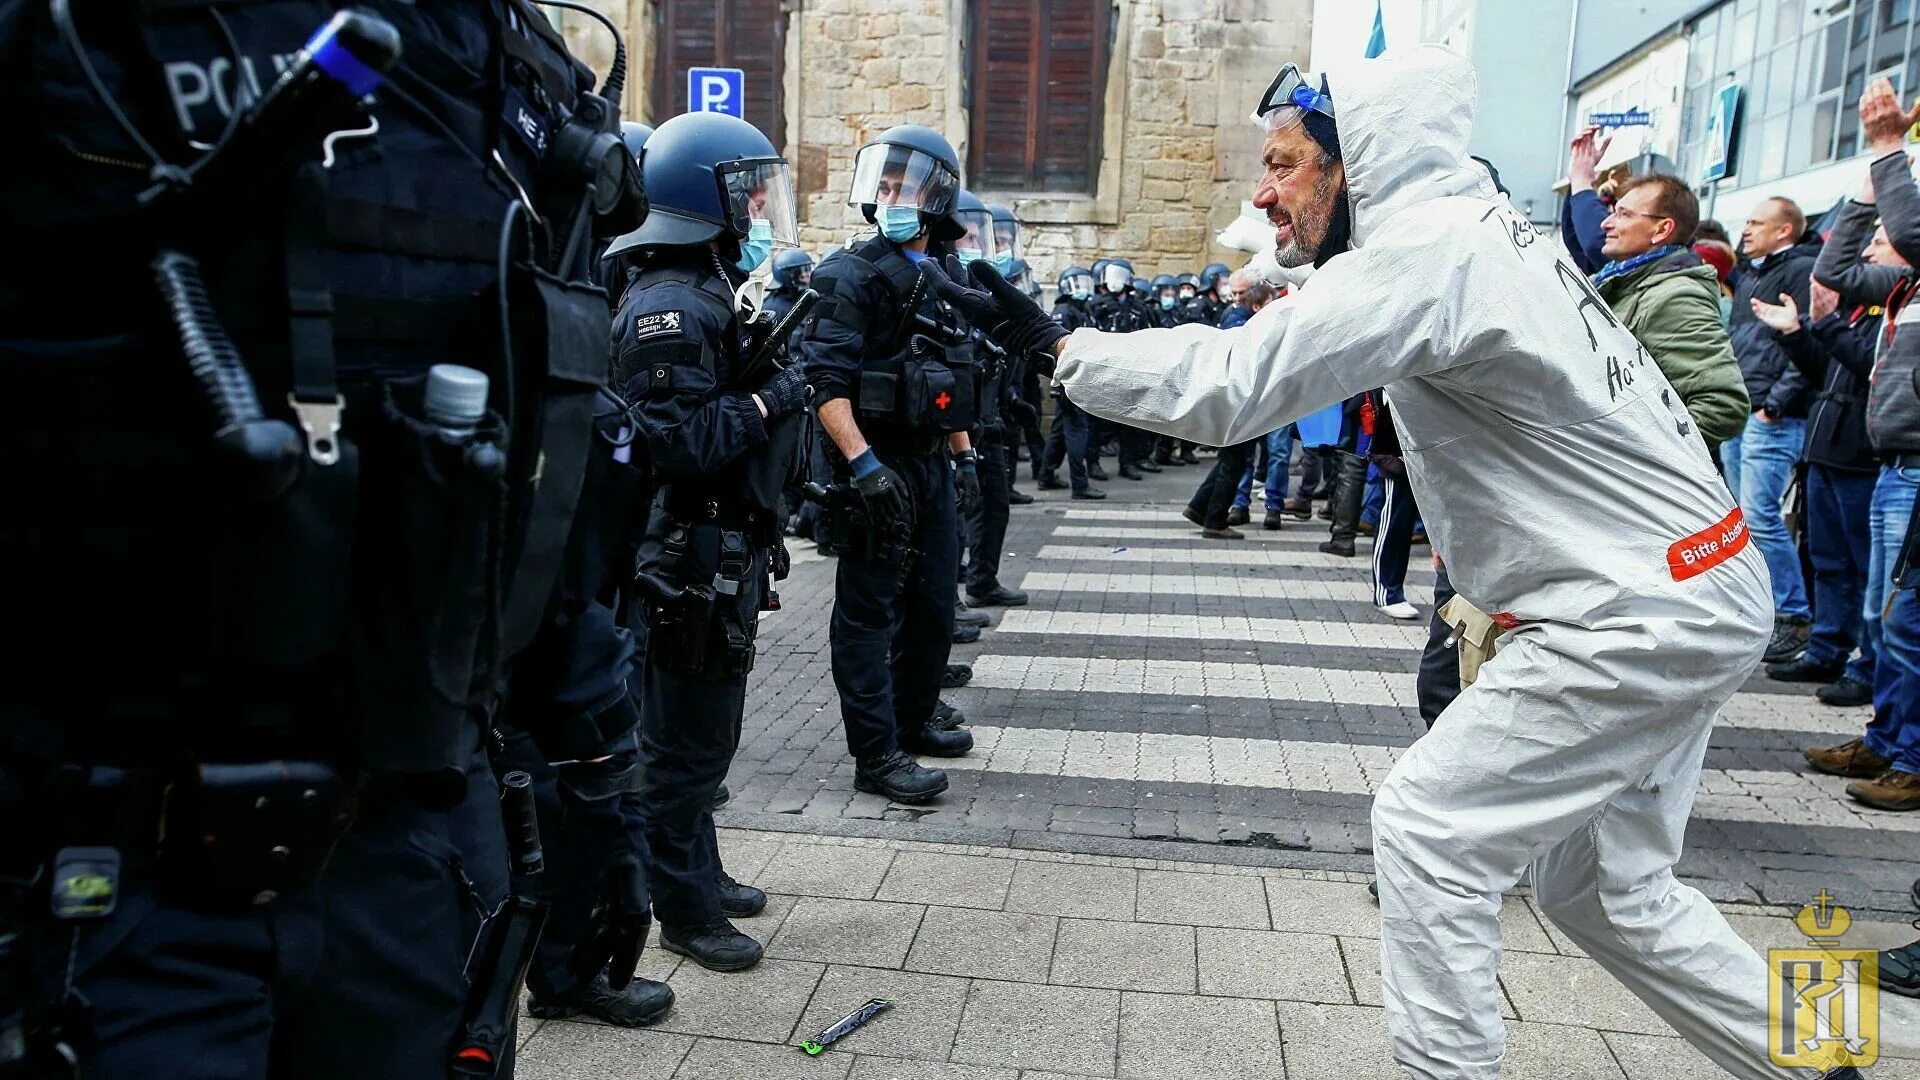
(1760, 463)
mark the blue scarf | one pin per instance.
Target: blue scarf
(1615, 269)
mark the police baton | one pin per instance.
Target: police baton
(497, 970)
(765, 362)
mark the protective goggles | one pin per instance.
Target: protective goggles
(1292, 90)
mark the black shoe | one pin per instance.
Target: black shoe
(947, 717)
(1900, 970)
(1790, 634)
(932, 740)
(899, 778)
(716, 946)
(643, 1002)
(1095, 472)
(1373, 890)
(1186, 458)
(965, 635)
(1805, 670)
(998, 596)
(1090, 493)
(957, 675)
(1845, 692)
(1331, 547)
(1274, 520)
(1237, 515)
(1146, 466)
(1050, 482)
(1194, 516)
(739, 901)
(1163, 458)
(965, 616)
(1018, 498)
(1848, 1073)
(1128, 472)
(721, 797)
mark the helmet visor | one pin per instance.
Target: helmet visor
(1006, 237)
(761, 191)
(1115, 278)
(1075, 284)
(1290, 96)
(978, 243)
(889, 175)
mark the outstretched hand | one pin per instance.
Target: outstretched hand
(1783, 317)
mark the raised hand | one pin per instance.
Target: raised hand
(1783, 317)
(1821, 301)
(1584, 162)
(1883, 121)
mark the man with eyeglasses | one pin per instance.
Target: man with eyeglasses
(1569, 494)
(1670, 298)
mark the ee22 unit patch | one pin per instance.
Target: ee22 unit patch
(656, 324)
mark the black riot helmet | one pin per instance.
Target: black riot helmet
(1076, 283)
(1116, 275)
(908, 166)
(1006, 237)
(1211, 275)
(1141, 286)
(635, 134)
(1020, 275)
(974, 226)
(712, 176)
(791, 269)
(1189, 286)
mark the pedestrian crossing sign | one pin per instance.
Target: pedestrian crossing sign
(1823, 1004)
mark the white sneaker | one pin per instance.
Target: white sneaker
(1401, 610)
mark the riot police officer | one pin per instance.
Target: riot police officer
(1069, 439)
(1164, 294)
(721, 426)
(328, 550)
(1022, 400)
(792, 274)
(1121, 309)
(984, 518)
(895, 391)
(1215, 291)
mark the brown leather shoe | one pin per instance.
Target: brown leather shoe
(1850, 758)
(1895, 791)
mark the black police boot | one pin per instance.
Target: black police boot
(932, 740)
(1129, 472)
(1187, 456)
(739, 901)
(956, 675)
(1050, 482)
(1089, 493)
(1900, 970)
(1274, 520)
(965, 635)
(946, 716)
(1018, 498)
(998, 596)
(1335, 547)
(899, 778)
(1805, 670)
(963, 616)
(1095, 472)
(641, 1003)
(721, 796)
(1147, 465)
(1790, 634)
(716, 946)
(1845, 691)
(1163, 456)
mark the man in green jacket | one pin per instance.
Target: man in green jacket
(1670, 299)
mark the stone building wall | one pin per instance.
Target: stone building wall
(1179, 154)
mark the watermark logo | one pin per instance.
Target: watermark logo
(1823, 1005)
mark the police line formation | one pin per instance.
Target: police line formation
(390, 542)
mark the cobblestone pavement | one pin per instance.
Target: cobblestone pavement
(1010, 964)
(1169, 697)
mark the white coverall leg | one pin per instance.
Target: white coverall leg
(1508, 777)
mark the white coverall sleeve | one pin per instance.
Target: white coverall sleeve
(1367, 318)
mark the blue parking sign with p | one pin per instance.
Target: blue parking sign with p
(722, 90)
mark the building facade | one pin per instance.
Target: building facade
(1111, 127)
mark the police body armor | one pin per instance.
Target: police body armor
(704, 541)
(919, 381)
(359, 613)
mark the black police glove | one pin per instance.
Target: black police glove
(617, 929)
(785, 393)
(884, 495)
(966, 479)
(1005, 314)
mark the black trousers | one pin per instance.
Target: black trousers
(1349, 490)
(1215, 495)
(358, 974)
(1069, 439)
(892, 631)
(689, 731)
(1393, 542)
(987, 521)
(1439, 680)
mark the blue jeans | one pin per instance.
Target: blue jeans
(1730, 465)
(1893, 626)
(1279, 453)
(1768, 452)
(1839, 540)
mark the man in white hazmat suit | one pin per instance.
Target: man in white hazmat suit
(1568, 493)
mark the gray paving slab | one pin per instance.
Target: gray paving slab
(1187, 1038)
(1202, 899)
(1570, 990)
(1066, 1029)
(984, 944)
(952, 880)
(725, 1059)
(850, 873)
(921, 1025)
(863, 932)
(1072, 889)
(1660, 1057)
(760, 1005)
(881, 1068)
(1124, 956)
(1265, 964)
(563, 1050)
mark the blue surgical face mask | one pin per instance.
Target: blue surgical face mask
(1083, 294)
(1003, 262)
(1166, 303)
(966, 254)
(756, 247)
(899, 223)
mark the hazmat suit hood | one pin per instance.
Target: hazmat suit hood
(1404, 120)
